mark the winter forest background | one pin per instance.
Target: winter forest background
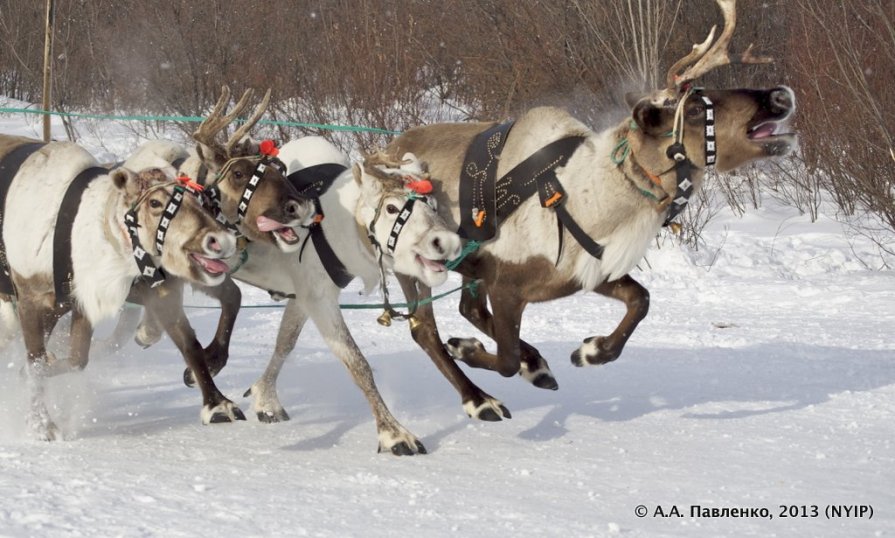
(392, 64)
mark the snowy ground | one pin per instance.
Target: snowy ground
(763, 377)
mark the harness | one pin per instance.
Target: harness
(683, 165)
(312, 182)
(485, 202)
(153, 275)
(9, 166)
(412, 197)
(63, 271)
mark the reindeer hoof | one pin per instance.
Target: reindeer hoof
(463, 349)
(594, 352)
(490, 410)
(400, 443)
(147, 335)
(188, 378)
(403, 449)
(272, 417)
(225, 411)
(540, 376)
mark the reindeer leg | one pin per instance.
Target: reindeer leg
(474, 307)
(9, 322)
(324, 312)
(81, 332)
(598, 350)
(166, 304)
(505, 323)
(476, 402)
(125, 329)
(32, 318)
(218, 351)
(266, 403)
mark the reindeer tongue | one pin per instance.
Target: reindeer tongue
(762, 131)
(211, 265)
(268, 225)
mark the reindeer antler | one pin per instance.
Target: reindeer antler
(706, 58)
(215, 122)
(247, 126)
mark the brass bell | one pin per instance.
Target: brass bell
(414, 323)
(385, 319)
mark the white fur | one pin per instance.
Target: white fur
(103, 270)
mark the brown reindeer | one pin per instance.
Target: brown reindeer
(607, 193)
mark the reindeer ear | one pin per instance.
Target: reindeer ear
(125, 180)
(212, 157)
(652, 119)
(245, 147)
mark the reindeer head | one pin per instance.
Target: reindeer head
(254, 192)
(746, 122)
(194, 244)
(401, 219)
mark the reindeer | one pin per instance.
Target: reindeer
(71, 233)
(357, 216)
(607, 193)
(256, 200)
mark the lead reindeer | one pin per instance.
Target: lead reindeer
(358, 210)
(71, 233)
(607, 193)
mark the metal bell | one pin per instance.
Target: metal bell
(414, 323)
(385, 319)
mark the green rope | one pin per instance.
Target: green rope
(471, 285)
(624, 148)
(468, 248)
(198, 119)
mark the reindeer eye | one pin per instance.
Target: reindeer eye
(695, 111)
(155, 204)
(238, 174)
(391, 209)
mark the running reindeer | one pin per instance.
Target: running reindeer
(75, 236)
(601, 198)
(372, 197)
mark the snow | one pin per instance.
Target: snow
(762, 377)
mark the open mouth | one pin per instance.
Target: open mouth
(432, 265)
(212, 266)
(280, 231)
(765, 130)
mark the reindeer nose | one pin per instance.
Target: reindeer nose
(212, 244)
(781, 100)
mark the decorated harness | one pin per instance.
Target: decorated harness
(485, 202)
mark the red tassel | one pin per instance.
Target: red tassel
(269, 148)
(423, 186)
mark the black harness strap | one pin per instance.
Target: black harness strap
(536, 173)
(552, 195)
(63, 272)
(9, 166)
(478, 207)
(312, 182)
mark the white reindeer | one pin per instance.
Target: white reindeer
(102, 249)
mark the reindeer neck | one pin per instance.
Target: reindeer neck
(114, 229)
(647, 167)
